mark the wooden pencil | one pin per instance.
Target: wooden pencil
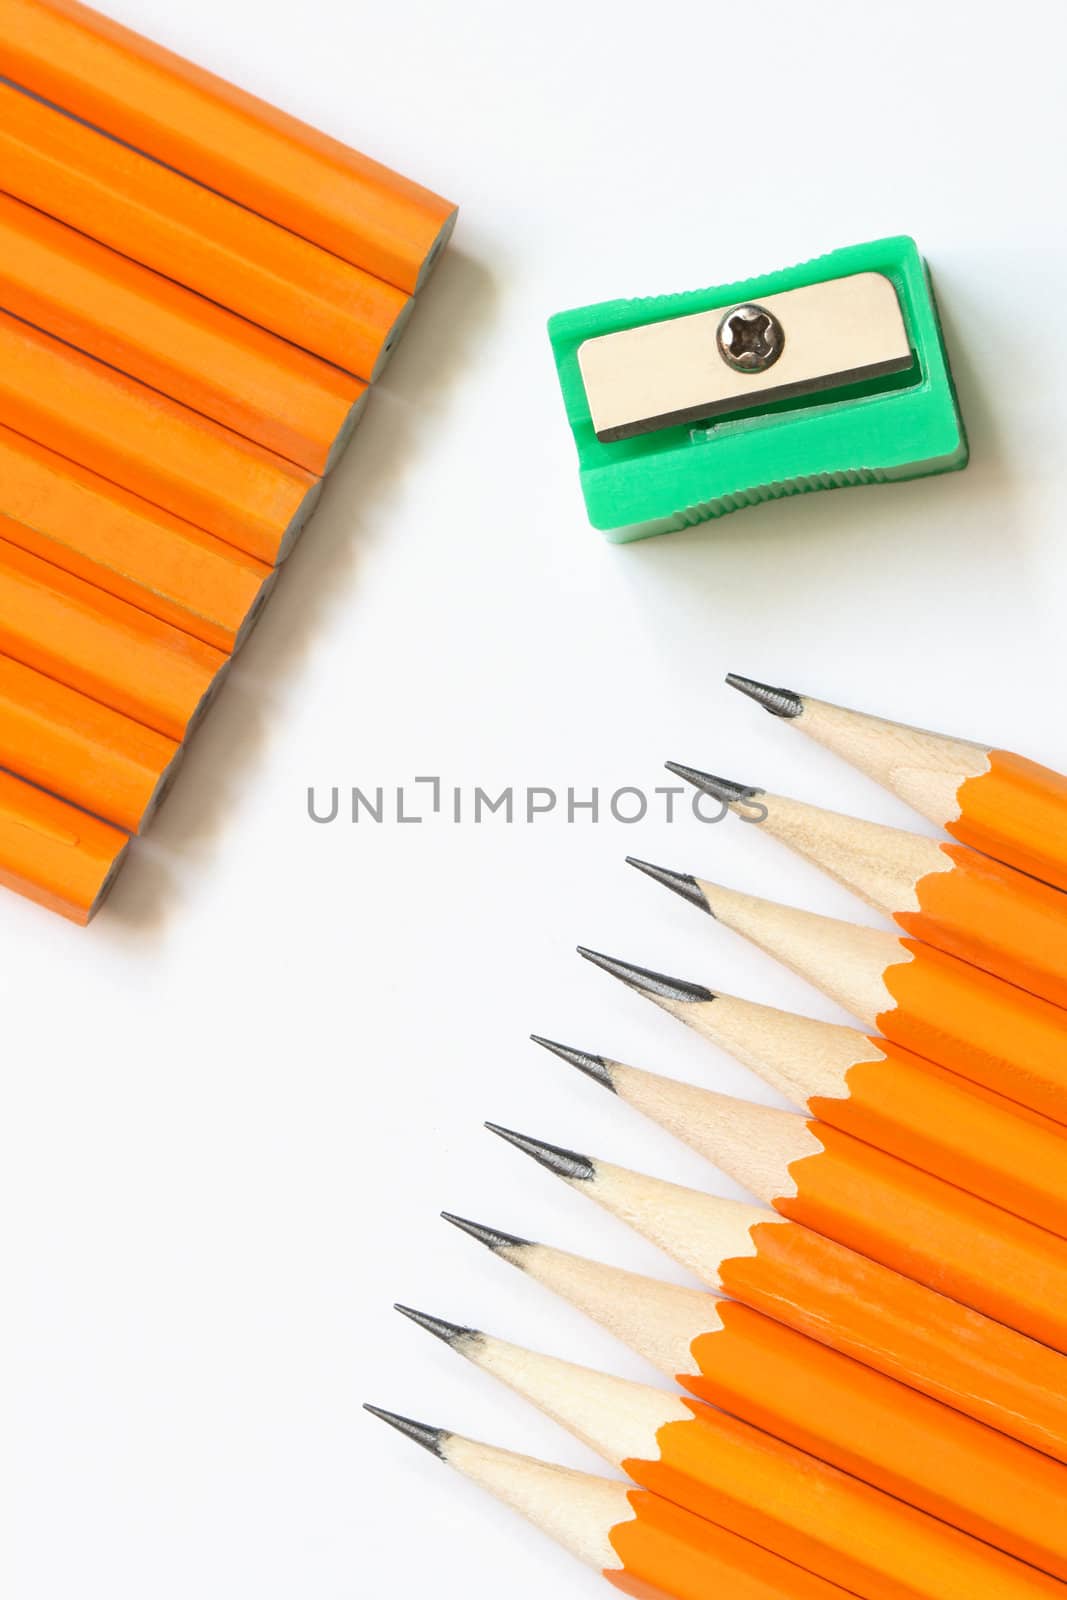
(835, 1295)
(225, 252)
(817, 1399)
(743, 1479)
(151, 445)
(872, 1202)
(175, 341)
(103, 647)
(54, 854)
(90, 755)
(1002, 804)
(986, 1030)
(225, 138)
(879, 1092)
(645, 1546)
(944, 894)
(128, 548)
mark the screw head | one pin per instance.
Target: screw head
(750, 338)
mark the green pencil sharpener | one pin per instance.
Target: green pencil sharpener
(824, 375)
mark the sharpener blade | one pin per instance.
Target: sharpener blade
(665, 373)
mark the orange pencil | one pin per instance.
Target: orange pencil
(106, 649)
(644, 1546)
(944, 894)
(877, 1091)
(225, 138)
(121, 544)
(836, 1296)
(55, 854)
(151, 445)
(823, 1402)
(222, 250)
(175, 341)
(756, 1486)
(871, 1202)
(81, 750)
(997, 802)
(987, 1030)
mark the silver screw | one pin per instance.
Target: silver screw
(750, 338)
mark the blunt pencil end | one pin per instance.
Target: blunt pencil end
(595, 1067)
(656, 984)
(450, 1333)
(779, 702)
(492, 1238)
(569, 1164)
(431, 1439)
(724, 789)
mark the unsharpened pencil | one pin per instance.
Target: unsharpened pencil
(880, 1093)
(54, 854)
(103, 647)
(123, 545)
(228, 254)
(836, 1296)
(175, 341)
(1002, 804)
(871, 1202)
(73, 746)
(151, 445)
(644, 1545)
(979, 1026)
(813, 1397)
(743, 1479)
(945, 894)
(224, 137)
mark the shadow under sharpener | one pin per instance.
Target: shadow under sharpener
(897, 419)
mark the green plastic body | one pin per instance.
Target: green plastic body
(905, 426)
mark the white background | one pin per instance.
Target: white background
(232, 1109)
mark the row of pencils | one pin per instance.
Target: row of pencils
(196, 292)
(872, 1389)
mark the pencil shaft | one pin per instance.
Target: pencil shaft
(127, 547)
(173, 340)
(922, 1227)
(74, 747)
(224, 137)
(150, 444)
(103, 647)
(54, 854)
(818, 1399)
(953, 1130)
(225, 252)
(899, 1327)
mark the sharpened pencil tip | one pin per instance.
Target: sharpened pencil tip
(656, 984)
(492, 1238)
(450, 1333)
(569, 1164)
(779, 702)
(682, 883)
(431, 1439)
(724, 789)
(595, 1067)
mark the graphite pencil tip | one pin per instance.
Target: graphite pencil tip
(682, 883)
(450, 1333)
(595, 1067)
(431, 1439)
(492, 1238)
(656, 984)
(721, 788)
(779, 702)
(568, 1164)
